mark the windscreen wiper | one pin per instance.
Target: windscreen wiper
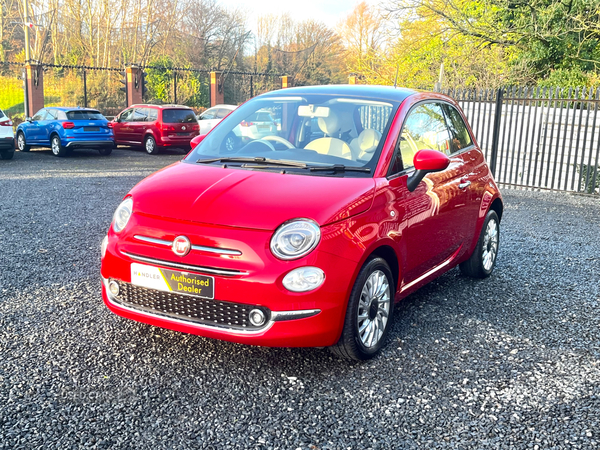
(339, 168)
(255, 160)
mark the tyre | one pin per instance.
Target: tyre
(150, 145)
(8, 154)
(21, 144)
(105, 151)
(369, 314)
(56, 146)
(483, 260)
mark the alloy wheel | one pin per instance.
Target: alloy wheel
(55, 146)
(21, 141)
(490, 245)
(373, 309)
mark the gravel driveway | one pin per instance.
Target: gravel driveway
(508, 362)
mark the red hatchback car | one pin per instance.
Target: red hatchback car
(155, 127)
(306, 236)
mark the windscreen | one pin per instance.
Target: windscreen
(179, 116)
(84, 115)
(312, 129)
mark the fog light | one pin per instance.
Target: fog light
(103, 246)
(113, 287)
(257, 317)
(304, 279)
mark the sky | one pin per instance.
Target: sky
(330, 12)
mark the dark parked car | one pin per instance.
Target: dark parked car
(64, 129)
(156, 126)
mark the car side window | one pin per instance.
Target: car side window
(126, 115)
(140, 115)
(461, 138)
(424, 128)
(50, 114)
(152, 114)
(222, 113)
(209, 114)
(40, 115)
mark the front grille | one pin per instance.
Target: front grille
(189, 309)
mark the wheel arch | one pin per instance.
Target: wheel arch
(387, 253)
(498, 206)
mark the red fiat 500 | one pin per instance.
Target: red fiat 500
(308, 233)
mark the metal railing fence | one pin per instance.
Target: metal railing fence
(545, 138)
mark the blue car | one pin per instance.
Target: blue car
(64, 129)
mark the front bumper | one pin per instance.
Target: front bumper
(242, 282)
(90, 144)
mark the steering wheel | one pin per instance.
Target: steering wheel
(279, 139)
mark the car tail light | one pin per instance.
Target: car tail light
(165, 127)
(110, 124)
(6, 123)
(68, 125)
(195, 127)
(243, 123)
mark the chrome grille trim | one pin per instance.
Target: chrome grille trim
(199, 248)
(160, 262)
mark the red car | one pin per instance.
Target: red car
(306, 236)
(155, 127)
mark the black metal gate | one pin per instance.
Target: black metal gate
(544, 138)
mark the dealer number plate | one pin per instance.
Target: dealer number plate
(172, 281)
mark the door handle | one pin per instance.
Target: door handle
(464, 184)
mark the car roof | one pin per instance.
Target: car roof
(232, 107)
(170, 106)
(368, 91)
(73, 108)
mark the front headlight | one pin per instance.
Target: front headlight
(295, 239)
(122, 214)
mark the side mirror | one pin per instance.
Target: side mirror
(117, 119)
(197, 140)
(28, 119)
(426, 161)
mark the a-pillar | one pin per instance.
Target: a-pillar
(134, 85)
(34, 85)
(217, 93)
(286, 82)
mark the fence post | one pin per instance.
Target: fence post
(84, 89)
(496, 133)
(352, 79)
(34, 86)
(217, 95)
(175, 87)
(134, 85)
(285, 82)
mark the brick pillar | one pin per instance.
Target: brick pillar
(352, 79)
(134, 85)
(286, 82)
(217, 93)
(34, 84)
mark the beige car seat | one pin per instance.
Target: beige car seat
(330, 125)
(365, 144)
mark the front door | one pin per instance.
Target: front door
(430, 217)
(122, 128)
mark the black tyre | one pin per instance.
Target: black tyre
(56, 146)
(21, 143)
(369, 314)
(7, 154)
(483, 260)
(105, 151)
(150, 145)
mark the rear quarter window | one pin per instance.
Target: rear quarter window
(178, 116)
(84, 115)
(1, 114)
